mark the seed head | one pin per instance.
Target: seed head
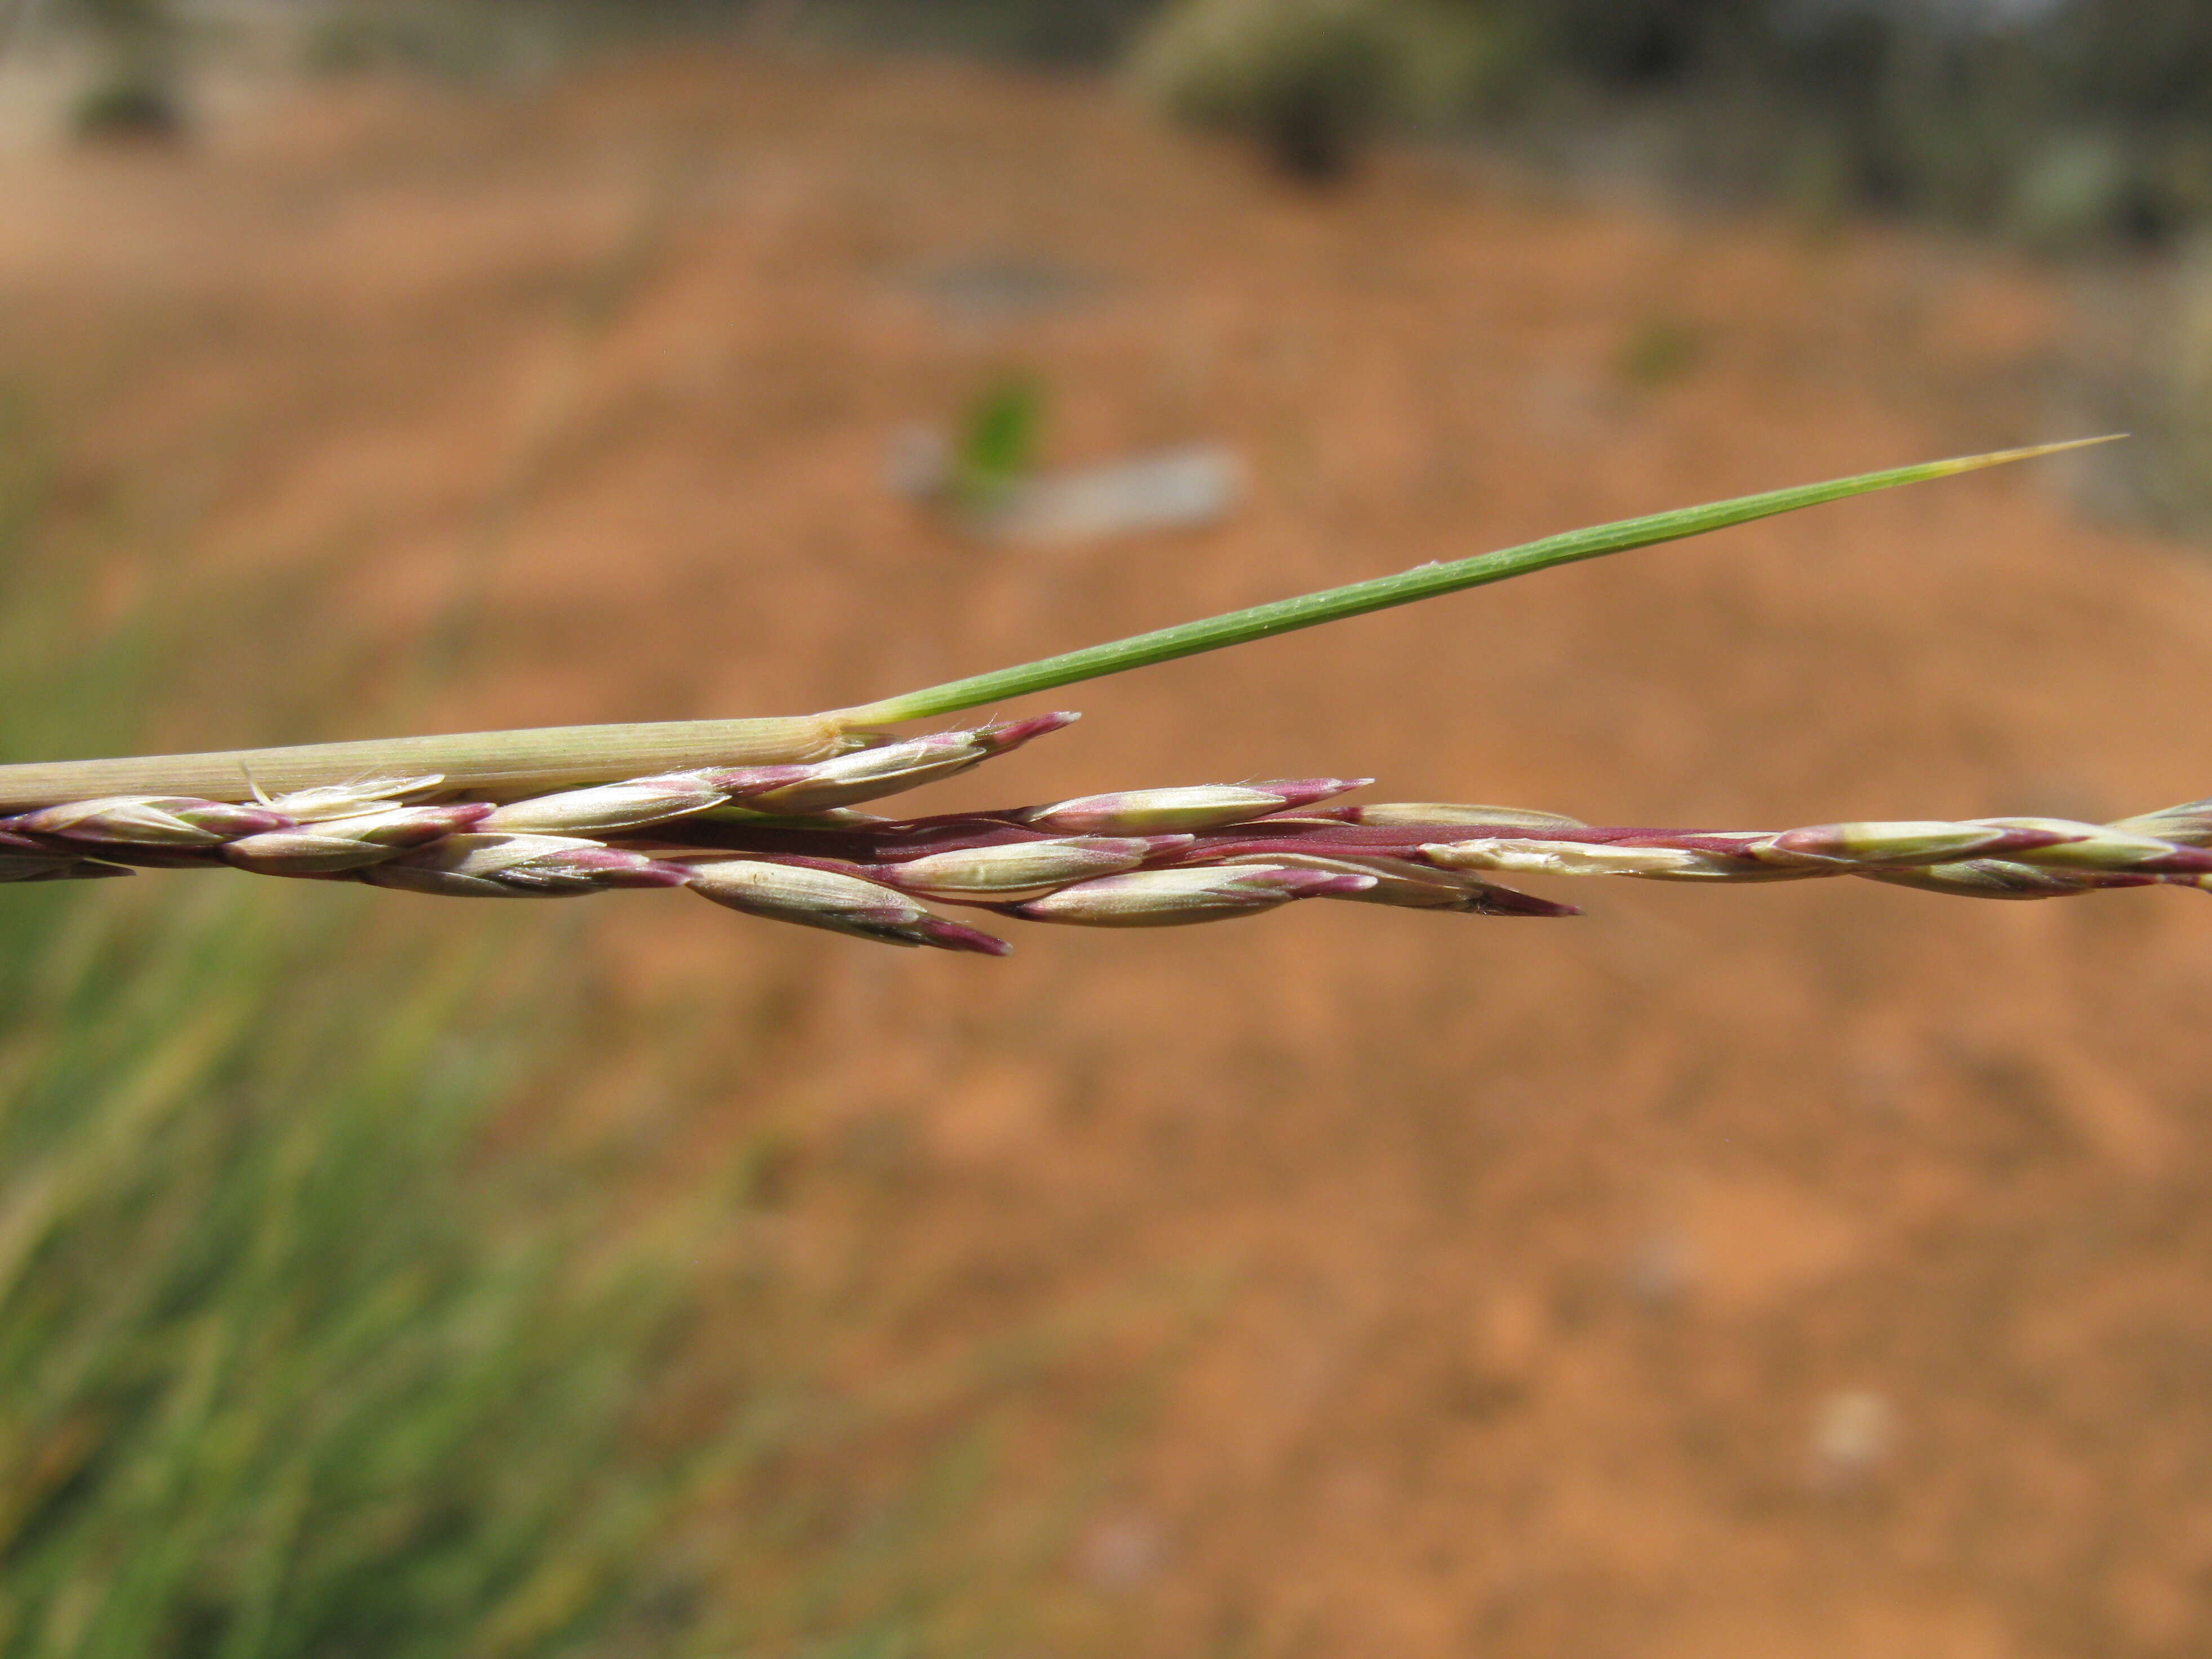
(1578, 859)
(76, 870)
(1913, 841)
(351, 843)
(149, 821)
(842, 903)
(2067, 845)
(1996, 879)
(1408, 885)
(1172, 898)
(342, 801)
(2189, 824)
(614, 806)
(22, 859)
(1399, 814)
(870, 774)
(1022, 870)
(520, 866)
(1167, 812)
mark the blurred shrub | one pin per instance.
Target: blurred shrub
(2176, 418)
(2142, 364)
(1628, 44)
(457, 43)
(1311, 80)
(1057, 32)
(131, 108)
(472, 38)
(135, 90)
(2071, 192)
(2061, 123)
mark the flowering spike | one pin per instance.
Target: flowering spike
(611, 807)
(345, 800)
(149, 821)
(1995, 878)
(1529, 857)
(1193, 893)
(1401, 814)
(831, 899)
(1491, 900)
(351, 843)
(1915, 842)
(1022, 870)
(2189, 824)
(520, 866)
(869, 773)
(22, 859)
(1200, 806)
(1408, 885)
(742, 783)
(2070, 846)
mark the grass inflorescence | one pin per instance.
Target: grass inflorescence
(772, 827)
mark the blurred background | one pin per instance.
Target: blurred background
(1822, 1270)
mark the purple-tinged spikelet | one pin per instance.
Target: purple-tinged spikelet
(151, 821)
(611, 808)
(1174, 898)
(331, 845)
(521, 866)
(813, 897)
(1019, 870)
(1168, 812)
(869, 773)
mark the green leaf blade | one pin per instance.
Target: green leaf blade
(1407, 588)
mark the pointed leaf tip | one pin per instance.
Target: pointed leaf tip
(1958, 463)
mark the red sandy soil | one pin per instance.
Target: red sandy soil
(1819, 1270)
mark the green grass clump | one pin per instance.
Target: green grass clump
(281, 1372)
(286, 1366)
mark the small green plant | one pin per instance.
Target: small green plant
(759, 816)
(1659, 350)
(999, 443)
